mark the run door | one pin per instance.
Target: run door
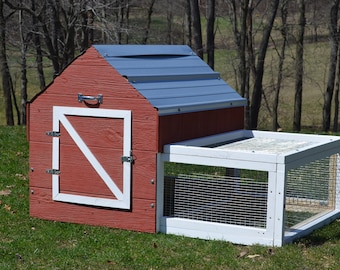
(91, 157)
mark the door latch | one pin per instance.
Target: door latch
(53, 171)
(127, 159)
(53, 133)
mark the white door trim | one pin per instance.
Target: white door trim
(122, 200)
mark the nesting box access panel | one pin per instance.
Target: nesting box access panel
(249, 187)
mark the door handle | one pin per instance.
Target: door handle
(82, 98)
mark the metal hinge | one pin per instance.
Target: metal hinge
(53, 171)
(53, 133)
(127, 159)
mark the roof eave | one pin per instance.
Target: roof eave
(179, 109)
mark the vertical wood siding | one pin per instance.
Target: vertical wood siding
(179, 127)
(91, 75)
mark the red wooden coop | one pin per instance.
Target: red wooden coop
(96, 130)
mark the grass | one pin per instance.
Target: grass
(30, 243)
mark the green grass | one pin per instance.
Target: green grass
(30, 243)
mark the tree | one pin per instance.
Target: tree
(255, 102)
(281, 54)
(58, 22)
(336, 99)
(238, 14)
(148, 21)
(197, 28)
(38, 47)
(169, 18)
(187, 23)
(24, 39)
(210, 33)
(7, 85)
(87, 15)
(299, 66)
(251, 61)
(334, 43)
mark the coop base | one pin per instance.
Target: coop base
(238, 234)
(214, 231)
(273, 189)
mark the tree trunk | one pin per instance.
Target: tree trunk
(257, 92)
(336, 101)
(284, 31)
(210, 33)
(187, 24)
(334, 43)
(169, 19)
(52, 35)
(120, 19)
(336, 95)
(127, 23)
(197, 29)
(23, 92)
(148, 22)
(38, 50)
(299, 66)
(240, 38)
(5, 74)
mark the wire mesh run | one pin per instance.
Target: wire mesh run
(238, 200)
(310, 191)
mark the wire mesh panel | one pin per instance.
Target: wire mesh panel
(267, 187)
(310, 191)
(238, 200)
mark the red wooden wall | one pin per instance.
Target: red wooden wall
(90, 74)
(180, 127)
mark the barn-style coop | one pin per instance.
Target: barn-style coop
(150, 138)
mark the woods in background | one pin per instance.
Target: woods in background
(54, 32)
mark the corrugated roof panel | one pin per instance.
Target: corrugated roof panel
(153, 66)
(175, 89)
(172, 77)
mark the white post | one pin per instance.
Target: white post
(160, 190)
(337, 184)
(279, 221)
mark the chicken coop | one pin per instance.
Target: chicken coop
(149, 138)
(96, 130)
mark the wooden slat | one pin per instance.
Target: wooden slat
(40, 160)
(141, 218)
(78, 175)
(143, 170)
(180, 127)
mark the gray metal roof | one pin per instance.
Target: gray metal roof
(171, 77)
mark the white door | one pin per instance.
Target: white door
(91, 157)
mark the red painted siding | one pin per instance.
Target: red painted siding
(179, 127)
(142, 218)
(92, 75)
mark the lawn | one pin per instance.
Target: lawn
(30, 243)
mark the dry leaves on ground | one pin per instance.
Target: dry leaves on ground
(5, 192)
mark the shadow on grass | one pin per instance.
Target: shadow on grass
(329, 233)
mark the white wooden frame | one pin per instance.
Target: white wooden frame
(123, 200)
(277, 166)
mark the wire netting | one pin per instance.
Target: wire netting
(310, 190)
(239, 200)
